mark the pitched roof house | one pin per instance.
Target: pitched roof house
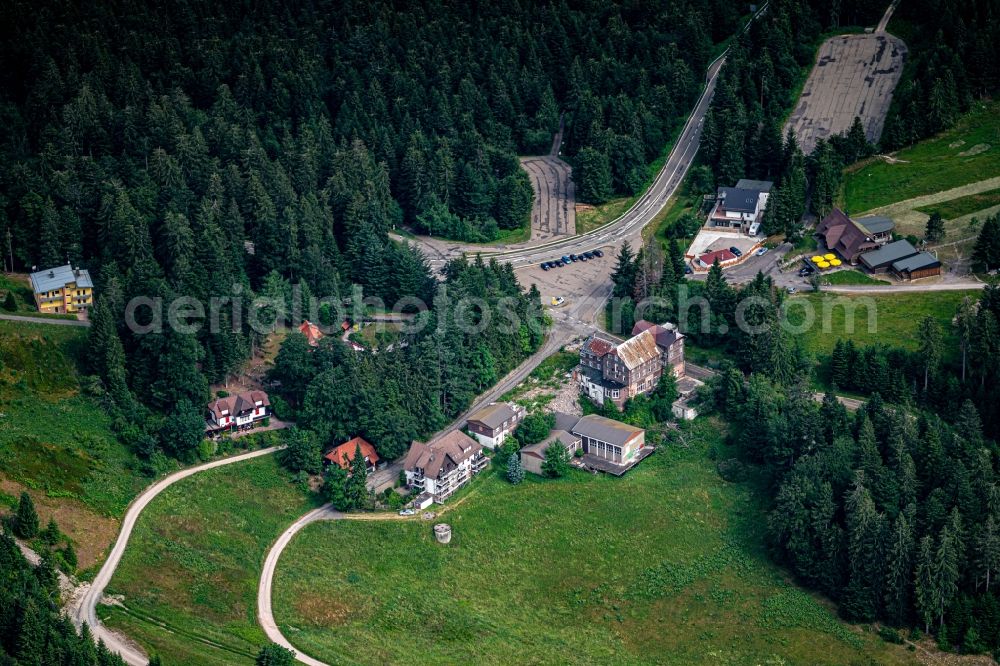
(741, 207)
(312, 333)
(921, 265)
(881, 259)
(491, 424)
(852, 238)
(239, 411)
(63, 290)
(444, 465)
(343, 455)
(724, 256)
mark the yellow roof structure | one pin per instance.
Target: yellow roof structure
(830, 257)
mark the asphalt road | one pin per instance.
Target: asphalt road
(85, 607)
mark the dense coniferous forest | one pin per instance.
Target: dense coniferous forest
(954, 59)
(32, 631)
(212, 150)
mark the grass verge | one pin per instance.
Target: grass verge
(664, 565)
(956, 157)
(188, 578)
(849, 277)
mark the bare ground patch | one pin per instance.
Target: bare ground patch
(90, 532)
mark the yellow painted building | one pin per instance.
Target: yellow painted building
(63, 290)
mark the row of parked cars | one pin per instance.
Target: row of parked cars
(571, 258)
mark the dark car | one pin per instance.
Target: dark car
(566, 260)
(558, 263)
(736, 251)
(573, 257)
(598, 253)
(581, 257)
(805, 271)
(688, 270)
(545, 266)
(589, 255)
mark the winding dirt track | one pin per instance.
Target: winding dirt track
(85, 608)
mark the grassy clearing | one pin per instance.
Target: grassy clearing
(851, 276)
(870, 318)
(962, 155)
(665, 565)
(377, 334)
(962, 206)
(189, 575)
(57, 443)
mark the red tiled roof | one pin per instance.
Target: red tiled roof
(722, 255)
(312, 333)
(343, 455)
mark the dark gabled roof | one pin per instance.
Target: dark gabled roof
(876, 224)
(431, 457)
(538, 450)
(917, 262)
(494, 415)
(239, 403)
(605, 430)
(888, 254)
(565, 421)
(737, 200)
(759, 185)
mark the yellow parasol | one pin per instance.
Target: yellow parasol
(816, 259)
(830, 257)
(835, 262)
(823, 264)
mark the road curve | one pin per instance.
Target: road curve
(265, 615)
(85, 608)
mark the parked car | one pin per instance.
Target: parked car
(688, 270)
(735, 250)
(598, 253)
(589, 255)
(407, 512)
(581, 257)
(791, 290)
(557, 301)
(558, 263)
(761, 252)
(566, 260)
(806, 271)
(545, 265)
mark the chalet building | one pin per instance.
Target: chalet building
(441, 467)
(852, 238)
(533, 455)
(616, 370)
(492, 424)
(343, 455)
(62, 290)
(312, 333)
(741, 207)
(237, 412)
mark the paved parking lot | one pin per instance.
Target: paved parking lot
(576, 282)
(854, 75)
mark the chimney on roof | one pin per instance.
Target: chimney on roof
(52, 274)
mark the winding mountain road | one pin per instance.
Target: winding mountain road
(85, 607)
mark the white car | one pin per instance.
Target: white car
(557, 301)
(761, 252)
(407, 512)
